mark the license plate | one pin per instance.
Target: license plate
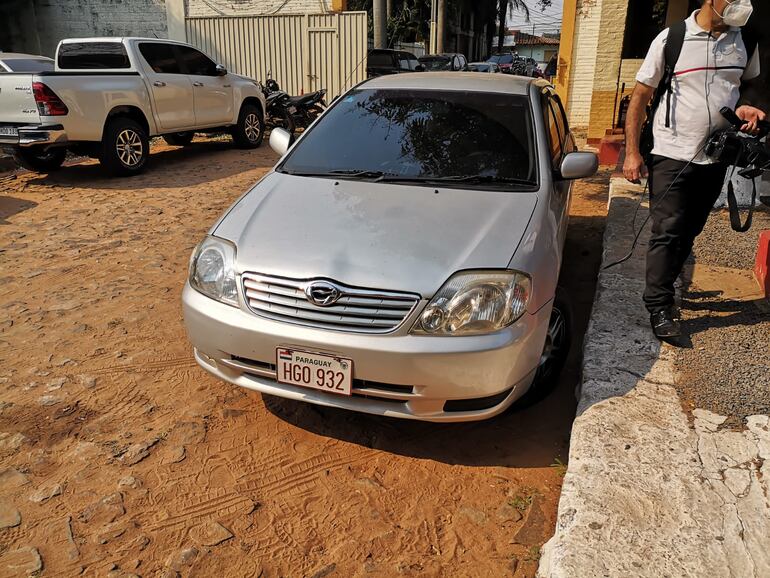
(9, 131)
(320, 372)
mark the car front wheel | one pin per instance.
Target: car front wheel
(555, 350)
(250, 130)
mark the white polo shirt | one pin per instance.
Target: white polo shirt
(708, 76)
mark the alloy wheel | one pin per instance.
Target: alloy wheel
(251, 127)
(129, 147)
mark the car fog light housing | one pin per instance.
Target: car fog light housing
(212, 270)
(475, 303)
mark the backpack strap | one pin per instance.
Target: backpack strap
(751, 41)
(673, 50)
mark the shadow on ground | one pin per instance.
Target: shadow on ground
(10, 206)
(200, 162)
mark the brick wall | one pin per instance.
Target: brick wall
(57, 19)
(256, 7)
(587, 31)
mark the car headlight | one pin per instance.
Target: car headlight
(476, 302)
(212, 270)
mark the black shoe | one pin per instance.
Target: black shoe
(665, 324)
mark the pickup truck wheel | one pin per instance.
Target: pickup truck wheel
(125, 147)
(555, 351)
(179, 139)
(41, 160)
(250, 130)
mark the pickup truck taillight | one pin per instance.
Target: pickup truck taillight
(48, 102)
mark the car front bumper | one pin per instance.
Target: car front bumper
(441, 379)
(35, 135)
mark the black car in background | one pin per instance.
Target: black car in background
(446, 61)
(381, 61)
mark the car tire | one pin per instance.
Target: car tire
(555, 351)
(41, 160)
(250, 130)
(179, 139)
(125, 147)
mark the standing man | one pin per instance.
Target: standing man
(684, 183)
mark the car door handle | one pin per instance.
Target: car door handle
(158, 83)
(197, 84)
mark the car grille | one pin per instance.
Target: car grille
(356, 310)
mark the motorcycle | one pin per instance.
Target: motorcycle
(291, 112)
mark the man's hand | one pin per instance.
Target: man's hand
(752, 116)
(633, 167)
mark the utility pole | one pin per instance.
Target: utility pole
(433, 26)
(380, 24)
(441, 26)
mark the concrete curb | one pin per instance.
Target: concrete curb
(645, 493)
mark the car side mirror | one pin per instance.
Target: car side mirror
(281, 140)
(578, 165)
(220, 70)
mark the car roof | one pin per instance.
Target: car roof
(467, 81)
(19, 56)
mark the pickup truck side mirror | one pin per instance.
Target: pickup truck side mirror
(577, 165)
(281, 140)
(220, 70)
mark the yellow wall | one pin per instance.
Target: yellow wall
(561, 80)
(339, 5)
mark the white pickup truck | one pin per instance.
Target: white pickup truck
(108, 96)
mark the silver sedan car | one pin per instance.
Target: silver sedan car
(402, 258)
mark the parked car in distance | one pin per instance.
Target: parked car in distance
(384, 61)
(488, 67)
(411, 269)
(504, 61)
(16, 62)
(437, 62)
(108, 96)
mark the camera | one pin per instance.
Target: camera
(749, 154)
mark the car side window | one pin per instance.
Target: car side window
(403, 61)
(552, 129)
(195, 62)
(568, 142)
(161, 57)
(413, 63)
(463, 63)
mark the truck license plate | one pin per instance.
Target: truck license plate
(320, 372)
(9, 131)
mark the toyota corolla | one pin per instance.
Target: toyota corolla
(403, 256)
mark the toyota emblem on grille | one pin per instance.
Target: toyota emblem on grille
(322, 293)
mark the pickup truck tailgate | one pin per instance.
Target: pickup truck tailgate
(17, 103)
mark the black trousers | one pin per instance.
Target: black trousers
(678, 217)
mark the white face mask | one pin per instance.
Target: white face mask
(737, 13)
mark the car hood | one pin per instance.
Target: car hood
(373, 235)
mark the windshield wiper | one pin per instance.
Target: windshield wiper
(347, 173)
(469, 179)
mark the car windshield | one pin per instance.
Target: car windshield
(436, 63)
(422, 135)
(29, 64)
(478, 67)
(501, 58)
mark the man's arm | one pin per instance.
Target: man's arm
(633, 168)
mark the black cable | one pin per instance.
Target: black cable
(658, 200)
